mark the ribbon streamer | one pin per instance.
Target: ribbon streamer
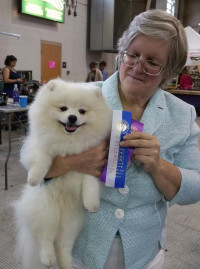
(114, 172)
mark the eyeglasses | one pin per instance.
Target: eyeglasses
(149, 67)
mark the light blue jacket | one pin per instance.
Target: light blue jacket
(142, 228)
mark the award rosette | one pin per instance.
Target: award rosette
(114, 172)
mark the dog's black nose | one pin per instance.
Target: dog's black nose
(72, 119)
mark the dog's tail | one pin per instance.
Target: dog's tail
(26, 248)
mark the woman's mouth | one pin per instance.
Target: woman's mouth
(136, 77)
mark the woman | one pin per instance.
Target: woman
(129, 230)
(10, 75)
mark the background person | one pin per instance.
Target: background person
(186, 81)
(95, 74)
(102, 66)
(10, 75)
(128, 231)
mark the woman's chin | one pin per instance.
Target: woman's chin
(132, 85)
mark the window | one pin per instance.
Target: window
(171, 6)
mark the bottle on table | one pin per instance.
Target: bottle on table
(16, 95)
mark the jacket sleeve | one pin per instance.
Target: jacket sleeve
(188, 161)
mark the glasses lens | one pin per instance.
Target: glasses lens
(151, 68)
(129, 60)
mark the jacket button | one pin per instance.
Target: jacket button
(124, 190)
(119, 213)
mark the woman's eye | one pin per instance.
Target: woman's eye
(153, 63)
(133, 56)
(63, 108)
(82, 111)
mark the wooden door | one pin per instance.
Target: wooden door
(50, 61)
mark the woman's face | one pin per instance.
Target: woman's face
(133, 80)
(13, 63)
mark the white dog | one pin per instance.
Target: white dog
(65, 118)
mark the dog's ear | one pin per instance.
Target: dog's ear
(51, 85)
(98, 92)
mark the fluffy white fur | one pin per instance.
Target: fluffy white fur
(50, 216)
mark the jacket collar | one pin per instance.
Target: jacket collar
(154, 112)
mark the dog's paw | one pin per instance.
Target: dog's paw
(92, 205)
(93, 209)
(47, 259)
(33, 179)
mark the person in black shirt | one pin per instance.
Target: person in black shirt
(10, 75)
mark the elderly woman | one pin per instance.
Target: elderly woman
(129, 230)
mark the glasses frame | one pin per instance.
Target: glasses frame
(139, 60)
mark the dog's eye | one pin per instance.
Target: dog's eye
(63, 108)
(82, 111)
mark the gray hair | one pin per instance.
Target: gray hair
(160, 25)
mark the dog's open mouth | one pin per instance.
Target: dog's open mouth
(71, 128)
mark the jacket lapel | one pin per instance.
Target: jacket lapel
(154, 112)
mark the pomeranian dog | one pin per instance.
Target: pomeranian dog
(65, 118)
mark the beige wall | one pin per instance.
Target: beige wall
(189, 13)
(72, 35)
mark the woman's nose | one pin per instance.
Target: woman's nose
(138, 67)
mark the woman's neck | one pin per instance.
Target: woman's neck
(134, 104)
(11, 68)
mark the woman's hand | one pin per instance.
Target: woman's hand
(166, 176)
(20, 80)
(147, 149)
(89, 162)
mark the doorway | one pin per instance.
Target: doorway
(50, 60)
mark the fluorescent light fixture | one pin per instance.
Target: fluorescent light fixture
(10, 34)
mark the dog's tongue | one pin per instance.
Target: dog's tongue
(70, 127)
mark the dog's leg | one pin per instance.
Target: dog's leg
(71, 225)
(38, 169)
(35, 159)
(37, 219)
(45, 240)
(45, 226)
(91, 190)
(47, 254)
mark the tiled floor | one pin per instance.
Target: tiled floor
(183, 222)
